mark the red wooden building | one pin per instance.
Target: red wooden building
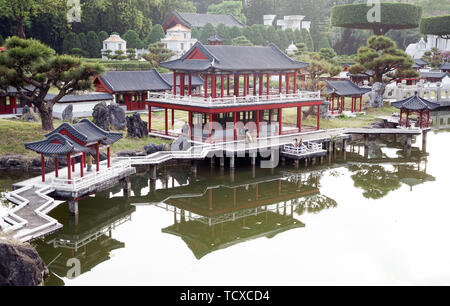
(74, 140)
(338, 91)
(418, 105)
(237, 88)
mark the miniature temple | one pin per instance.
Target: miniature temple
(82, 140)
(415, 104)
(337, 91)
(237, 87)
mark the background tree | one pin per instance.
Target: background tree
(393, 16)
(83, 41)
(318, 66)
(132, 39)
(156, 34)
(301, 49)
(94, 45)
(2, 41)
(206, 32)
(387, 62)
(439, 26)
(161, 9)
(158, 54)
(71, 41)
(231, 7)
(242, 41)
(102, 36)
(434, 57)
(30, 63)
(131, 53)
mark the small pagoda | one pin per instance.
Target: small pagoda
(418, 105)
(338, 91)
(83, 140)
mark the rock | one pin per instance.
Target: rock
(25, 110)
(21, 265)
(28, 115)
(101, 116)
(136, 126)
(126, 154)
(180, 144)
(153, 148)
(376, 95)
(117, 117)
(67, 114)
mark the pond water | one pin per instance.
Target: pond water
(379, 219)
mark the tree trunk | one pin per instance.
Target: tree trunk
(20, 29)
(46, 113)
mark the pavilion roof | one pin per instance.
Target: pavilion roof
(235, 58)
(421, 62)
(445, 66)
(55, 145)
(196, 80)
(87, 132)
(196, 20)
(215, 38)
(345, 88)
(415, 103)
(134, 81)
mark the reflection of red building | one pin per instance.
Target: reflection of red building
(237, 87)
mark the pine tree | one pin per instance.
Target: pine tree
(158, 54)
(132, 39)
(83, 41)
(71, 41)
(102, 36)
(206, 32)
(242, 41)
(156, 34)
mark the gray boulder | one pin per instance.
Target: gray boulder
(180, 144)
(136, 127)
(25, 110)
(101, 116)
(21, 265)
(376, 95)
(67, 114)
(153, 148)
(117, 117)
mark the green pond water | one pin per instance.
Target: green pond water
(382, 218)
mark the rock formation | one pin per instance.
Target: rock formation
(136, 127)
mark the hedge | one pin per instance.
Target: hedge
(393, 16)
(439, 25)
(122, 65)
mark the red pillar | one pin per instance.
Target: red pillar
(353, 103)
(280, 118)
(280, 83)
(221, 85)
(254, 83)
(213, 85)
(287, 83)
(268, 84)
(295, 82)
(82, 165)
(56, 167)
(428, 118)
(245, 85)
(318, 117)
(206, 85)
(166, 121)
(421, 118)
(43, 167)
(69, 173)
(299, 118)
(210, 127)
(182, 85)
(236, 85)
(228, 85)
(360, 104)
(109, 156)
(261, 84)
(175, 83)
(173, 118)
(190, 84)
(407, 118)
(234, 125)
(342, 104)
(332, 104)
(127, 101)
(84, 159)
(73, 164)
(190, 124)
(257, 123)
(97, 156)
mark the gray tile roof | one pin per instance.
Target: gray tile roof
(421, 62)
(215, 38)
(56, 145)
(433, 74)
(345, 88)
(415, 103)
(196, 80)
(134, 81)
(82, 98)
(236, 58)
(445, 66)
(200, 20)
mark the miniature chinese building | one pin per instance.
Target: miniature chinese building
(195, 20)
(237, 87)
(434, 76)
(215, 40)
(71, 141)
(415, 104)
(131, 87)
(337, 91)
(445, 67)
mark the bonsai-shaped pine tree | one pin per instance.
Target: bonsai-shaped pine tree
(34, 68)
(158, 54)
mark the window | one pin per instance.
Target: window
(120, 46)
(182, 46)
